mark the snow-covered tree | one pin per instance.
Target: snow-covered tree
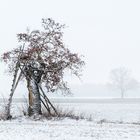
(42, 58)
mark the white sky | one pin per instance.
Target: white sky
(106, 32)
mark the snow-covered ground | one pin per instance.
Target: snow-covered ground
(110, 121)
(67, 130)
(115, 112)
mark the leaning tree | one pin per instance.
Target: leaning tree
(41, 58)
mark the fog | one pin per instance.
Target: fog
(107, 33)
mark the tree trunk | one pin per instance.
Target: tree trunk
(122, 93)
(34, 98)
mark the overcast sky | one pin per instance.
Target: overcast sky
(106, 32)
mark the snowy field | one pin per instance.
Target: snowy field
(67, 130)
(110, 121)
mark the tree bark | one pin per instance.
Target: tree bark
(34, 98)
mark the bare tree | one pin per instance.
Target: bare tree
(42, 58)
(122, 80)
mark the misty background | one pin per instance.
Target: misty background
(107, 33)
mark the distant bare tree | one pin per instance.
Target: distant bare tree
(121, 80)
